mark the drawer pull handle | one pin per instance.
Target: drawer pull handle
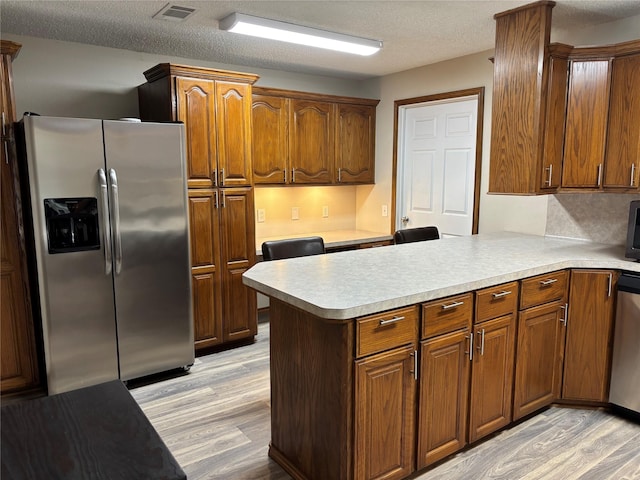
(504, 293)
(447, 306)
(390, 320)
(548, 282)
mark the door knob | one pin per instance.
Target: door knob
(405, 219)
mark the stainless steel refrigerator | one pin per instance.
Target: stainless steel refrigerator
(111, 248)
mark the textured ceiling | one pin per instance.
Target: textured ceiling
(414, 33)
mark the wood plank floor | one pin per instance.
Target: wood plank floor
(215, 420)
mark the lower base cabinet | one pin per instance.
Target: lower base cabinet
(385, 399)
(540, 350)
(349, 403)
(444, 396)
(587, 357)
(491, 376)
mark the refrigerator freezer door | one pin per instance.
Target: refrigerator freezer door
(76, 293)
(146, 171)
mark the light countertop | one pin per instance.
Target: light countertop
(350, 284)
(333, 238)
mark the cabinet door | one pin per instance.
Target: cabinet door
(589, 332)
(311, 141)
(196, 107)
(587, 108)
(269, 148)
(19, 363)
(384, 410)
(238, 255)
(233, 132)
(444, 396)
(623, 135)
(556, 109)
(539, 358)
(355, 143)
(491, 376)
(205, 268)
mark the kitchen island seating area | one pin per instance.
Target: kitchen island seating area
(292, 247)
(418, 234)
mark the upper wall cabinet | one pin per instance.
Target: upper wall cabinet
(520, 77)
(564, 118)
(310, 139)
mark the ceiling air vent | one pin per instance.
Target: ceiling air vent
(174, 13)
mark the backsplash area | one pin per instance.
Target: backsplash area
(598, 217)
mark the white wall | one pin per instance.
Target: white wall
(71, 79)
(527, 214)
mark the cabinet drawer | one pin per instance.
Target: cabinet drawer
(543, 288)
(496, 301)
(383, 331)
(447, 315)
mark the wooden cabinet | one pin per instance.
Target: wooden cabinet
(589, 335)
(270, 144)
(563, 117)
(540, 344)
(385, 394)
(586, 123)
(492, 364)
(215, 107)
(519, 87)
(384, 415)
(355, 143)
(19, 364)
(311, 139)
(237, 231)
(444, 378)
(622, 154)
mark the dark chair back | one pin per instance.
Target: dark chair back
(418, 234)
(292, 247)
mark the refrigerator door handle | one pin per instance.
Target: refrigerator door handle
(104, 197)
(115, 213)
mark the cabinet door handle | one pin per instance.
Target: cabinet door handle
(415, 364)
(446, 306)
(633, 174)
(565, 309)
(6, 151)
(222, 177)
(215, 177)
(599, 174)
(501, 294)
(610, 285)
(4, 131)
(293, 175)
(549, 281)
(339, 175)
(550, 169)
(391, 320)
(215, 199)
(481, 346)
(285, 175)
(222, 199)
(470, 352)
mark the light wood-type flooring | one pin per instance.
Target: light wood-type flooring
(215, 420)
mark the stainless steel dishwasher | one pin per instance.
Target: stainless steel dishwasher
(625, 366)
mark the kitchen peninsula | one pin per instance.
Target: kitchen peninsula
(374, 369)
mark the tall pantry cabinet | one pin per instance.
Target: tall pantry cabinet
(18, 353)
(215, 107)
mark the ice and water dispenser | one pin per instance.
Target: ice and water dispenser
(72, 224)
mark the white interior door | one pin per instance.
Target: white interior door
(436, 165)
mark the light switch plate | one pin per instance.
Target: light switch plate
(295, 213)
(385, 212)
(261, 215)
(325, 212)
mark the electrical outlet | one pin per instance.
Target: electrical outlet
(295, 213)
(261, 215)
(325, 212)
(385, 212)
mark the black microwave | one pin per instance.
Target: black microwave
(633, 233)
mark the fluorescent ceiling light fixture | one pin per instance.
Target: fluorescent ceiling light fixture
(288, 32)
